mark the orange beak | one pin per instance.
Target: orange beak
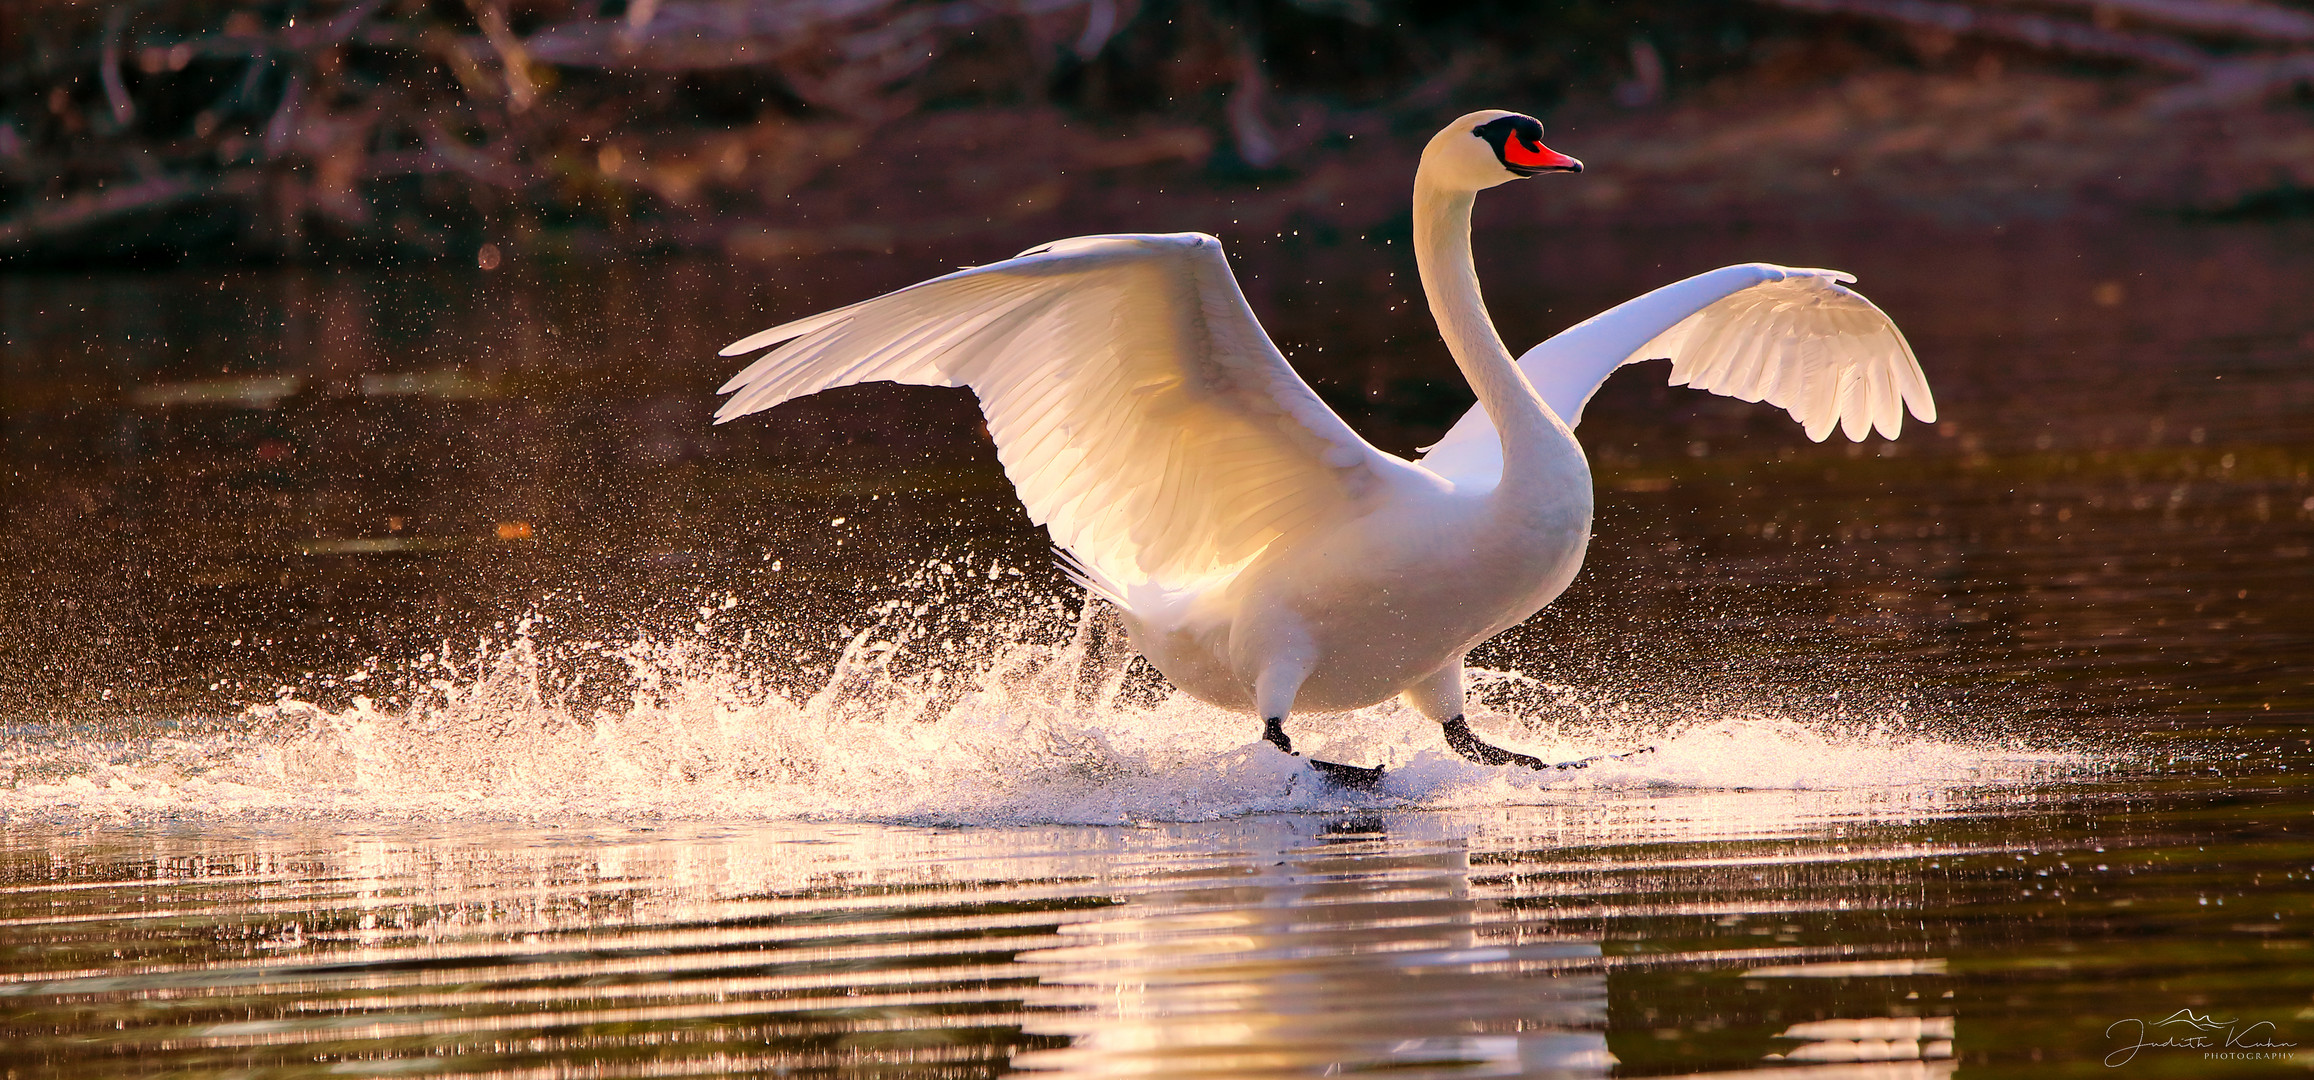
(1538, 157)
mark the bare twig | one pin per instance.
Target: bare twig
(349, 22)
(252, 76)
(283, 126)
(1250, 133)
(2053, 35)
(639, 15)
(521, 93)
(108, 72)
(468, 71)
(1101, 22)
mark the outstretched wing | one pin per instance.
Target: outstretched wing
(1798, 339)
(1137, 406)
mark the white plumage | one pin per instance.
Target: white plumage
(1138, 407)
(1798, 339)
(1261, 553)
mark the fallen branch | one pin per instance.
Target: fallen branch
(2035, 31)
(2236, 83)
(82, 211)
(698, 35)
(687, 35)
(2219, 81)
(2236, 18)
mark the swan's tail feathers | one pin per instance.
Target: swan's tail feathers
(1089, 576)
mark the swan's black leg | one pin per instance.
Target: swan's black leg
(1274, 729)
(1479, 750)
(1349, 776)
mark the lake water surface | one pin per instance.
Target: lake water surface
(404, 679)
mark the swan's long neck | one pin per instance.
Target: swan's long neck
(1535, 444)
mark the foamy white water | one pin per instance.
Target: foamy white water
(1015, 725)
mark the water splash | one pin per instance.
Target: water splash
(927, 715)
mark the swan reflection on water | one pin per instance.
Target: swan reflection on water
(1331, 952)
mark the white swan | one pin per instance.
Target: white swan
(1262, 555)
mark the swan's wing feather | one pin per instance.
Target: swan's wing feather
(1137, 405)
(1824, 353)
(1799, 339)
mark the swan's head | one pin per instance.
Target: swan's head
(1489, 147)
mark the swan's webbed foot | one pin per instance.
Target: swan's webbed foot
(1459, 737)
(1585, 763)
(1355, 777)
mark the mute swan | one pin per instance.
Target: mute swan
(1259, 552)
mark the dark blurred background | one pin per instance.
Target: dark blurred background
(335, 335)
(161, 130)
